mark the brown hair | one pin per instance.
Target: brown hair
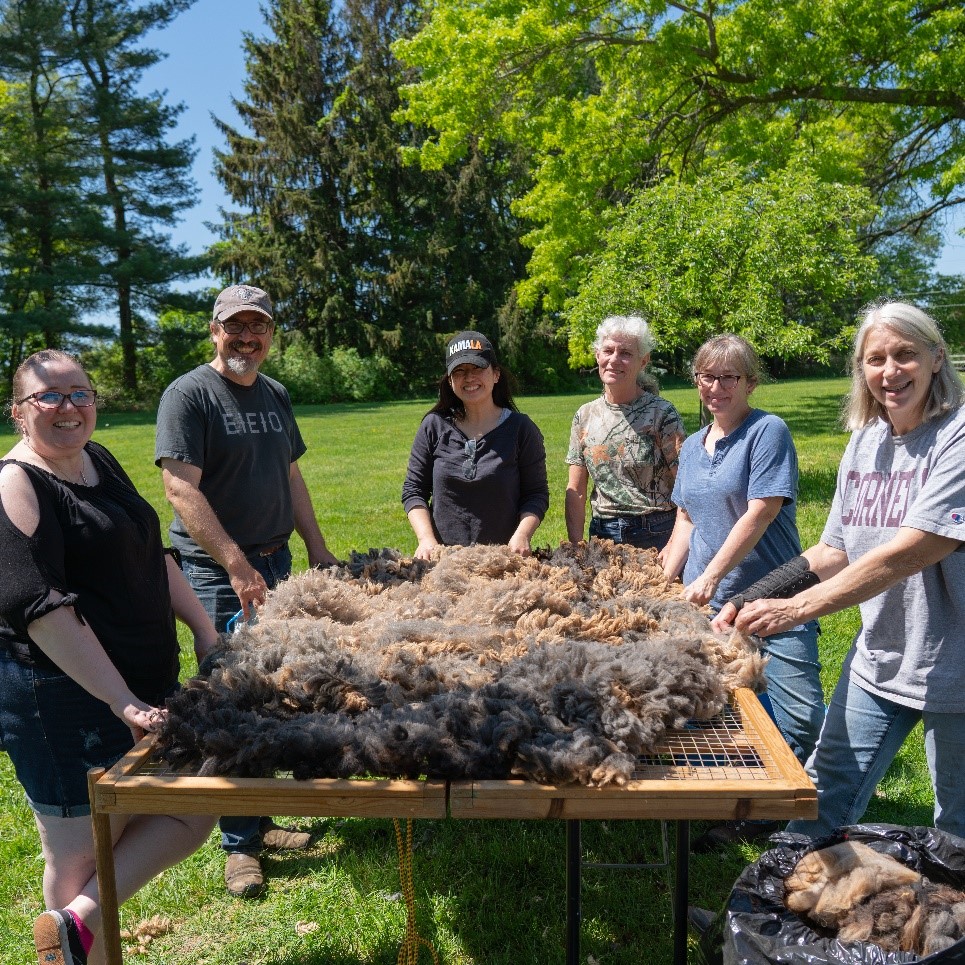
(38, 360)
(732, 350)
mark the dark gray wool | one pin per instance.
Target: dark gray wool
(559, 667)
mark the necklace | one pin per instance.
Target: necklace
(83, 477)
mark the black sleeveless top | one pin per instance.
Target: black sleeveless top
(101, 547)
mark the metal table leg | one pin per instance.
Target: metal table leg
(574, 914)
(680, 893)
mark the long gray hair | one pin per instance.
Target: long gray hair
(946, 392)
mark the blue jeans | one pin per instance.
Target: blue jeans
(54, 731)
(793, 676)
(861, 736)
(650, 531)
(213, 587)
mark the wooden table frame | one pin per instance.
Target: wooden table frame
(740, 770)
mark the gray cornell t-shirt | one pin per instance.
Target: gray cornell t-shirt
(911, 646)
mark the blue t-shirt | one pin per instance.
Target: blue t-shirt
(756, 461)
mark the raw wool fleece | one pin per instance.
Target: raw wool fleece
(856, 893)
(559, 667)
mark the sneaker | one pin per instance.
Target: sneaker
(57, 941)
(242, 875)
(277, 838)
(733, 832)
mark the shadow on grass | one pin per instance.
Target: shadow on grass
(817, 485)
(494, 892)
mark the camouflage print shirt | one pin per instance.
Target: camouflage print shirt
(630, 452)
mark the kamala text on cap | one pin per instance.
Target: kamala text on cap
(469, 348)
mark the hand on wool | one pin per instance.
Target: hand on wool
(139, 716)
(766, 617)
(425, 548)
(519, 544)
(250, 587)
(702, 590)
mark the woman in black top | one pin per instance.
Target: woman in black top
(88, 649)
(477, 470)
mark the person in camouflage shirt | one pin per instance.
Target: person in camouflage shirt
(627, 441)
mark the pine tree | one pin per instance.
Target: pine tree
(47, 257)
(289, 233)
(145, 180)
(435, 251)
(360, 249)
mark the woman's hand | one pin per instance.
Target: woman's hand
(765, 617)
(425, 548)
(724, 621)
(140, 717)
(520, 544)
(702, 589)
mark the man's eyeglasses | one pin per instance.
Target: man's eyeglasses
(707, 380)
(80, 398)
(469, 466)
(236, 328)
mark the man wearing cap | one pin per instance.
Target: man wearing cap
(228, 447)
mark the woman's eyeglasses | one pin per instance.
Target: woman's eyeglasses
(469, 466)
(80, 398)
(707, 379)
(236, 328)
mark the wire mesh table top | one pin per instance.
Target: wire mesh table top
(710, 750)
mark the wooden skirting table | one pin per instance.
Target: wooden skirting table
(732, 767)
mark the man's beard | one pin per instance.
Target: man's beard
(241, 365)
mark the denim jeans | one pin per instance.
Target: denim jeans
(861, 736)
(54, 731)
(650, 531)
(793, 676)
(210, 582)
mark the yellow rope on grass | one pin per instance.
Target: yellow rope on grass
(409, 952)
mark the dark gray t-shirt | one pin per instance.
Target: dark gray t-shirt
(911, 646)
(244, 439)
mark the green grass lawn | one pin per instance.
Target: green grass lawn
(488, 892)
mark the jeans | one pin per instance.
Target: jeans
(650, 531)
(861, 736)
(793, 676)
(213, 587)
(54, 731)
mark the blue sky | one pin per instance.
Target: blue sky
(205, 68)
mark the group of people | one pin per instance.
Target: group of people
(719, 506)
(89, 653)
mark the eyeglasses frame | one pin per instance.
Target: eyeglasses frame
(64, 396)
(725, 380)
(469, 466)
(269, 326)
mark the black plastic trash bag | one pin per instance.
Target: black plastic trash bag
(756, 928)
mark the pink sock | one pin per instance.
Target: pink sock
(85, 934)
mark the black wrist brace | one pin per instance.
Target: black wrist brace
(788, 579)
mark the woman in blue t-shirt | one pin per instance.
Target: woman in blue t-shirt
(736, 491)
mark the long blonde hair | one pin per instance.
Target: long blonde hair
(946, 391)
